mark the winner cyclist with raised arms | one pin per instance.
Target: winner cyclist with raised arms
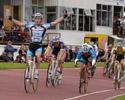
(38, 30)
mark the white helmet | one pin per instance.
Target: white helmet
(38, 15)
(85, 47)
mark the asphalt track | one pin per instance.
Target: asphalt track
(100, 88)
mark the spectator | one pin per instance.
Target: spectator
(8, 53)
(70, 54)
(22, 54)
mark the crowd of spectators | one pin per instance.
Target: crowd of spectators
(12, 32)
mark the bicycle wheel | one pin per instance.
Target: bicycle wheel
(57, 80)
(109, 71)
(83, 81)
(105, 70)
(117, 82)
(34, 80)
(48, 77)
(55, 75)
(27, 80)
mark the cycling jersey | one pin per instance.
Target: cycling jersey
(83, 58)
(56, 49)
(37, 34)
(119, 55)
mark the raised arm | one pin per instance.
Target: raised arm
(58, 20)
(19, 23)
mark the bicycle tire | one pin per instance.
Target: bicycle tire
(48, 79)
(35, 82)
(105, 69)
(55, 77)
(83, 83)
(109, 73)
(117, 83)
(81, 87)
(27, 82)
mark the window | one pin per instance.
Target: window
(104, 15)
(34, 1)
(51, 15)
(40, 2)
(70, 22)
(89, 21)
(86, 20)
(34, 9)
(37, 6)
(80, 28)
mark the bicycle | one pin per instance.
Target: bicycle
(107, 70)
(29, 77)
(53, 73)
(117, 75)
(83, 84)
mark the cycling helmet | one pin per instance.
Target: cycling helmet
(38, 15)
(85, 48)
(56, 39)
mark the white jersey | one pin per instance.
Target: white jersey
(37, 32)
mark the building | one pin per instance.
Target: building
(89, 16)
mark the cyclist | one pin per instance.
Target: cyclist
(58, 51)
(37, 32)
(86, 52)
(119, 54)
(108, 52)
(110, 58)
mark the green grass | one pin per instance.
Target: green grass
(8, 65)
(120, 98)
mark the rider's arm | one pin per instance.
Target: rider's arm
(19, 23)
(93, 56)
(58, 20)
(97, 50)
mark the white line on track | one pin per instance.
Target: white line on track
(97, 92)
(115, 96)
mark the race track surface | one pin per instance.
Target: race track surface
(100, 88)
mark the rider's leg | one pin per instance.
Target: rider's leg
(29, 60)
(38, 59)
(29, 56)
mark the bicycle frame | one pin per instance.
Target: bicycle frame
(52, 72)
